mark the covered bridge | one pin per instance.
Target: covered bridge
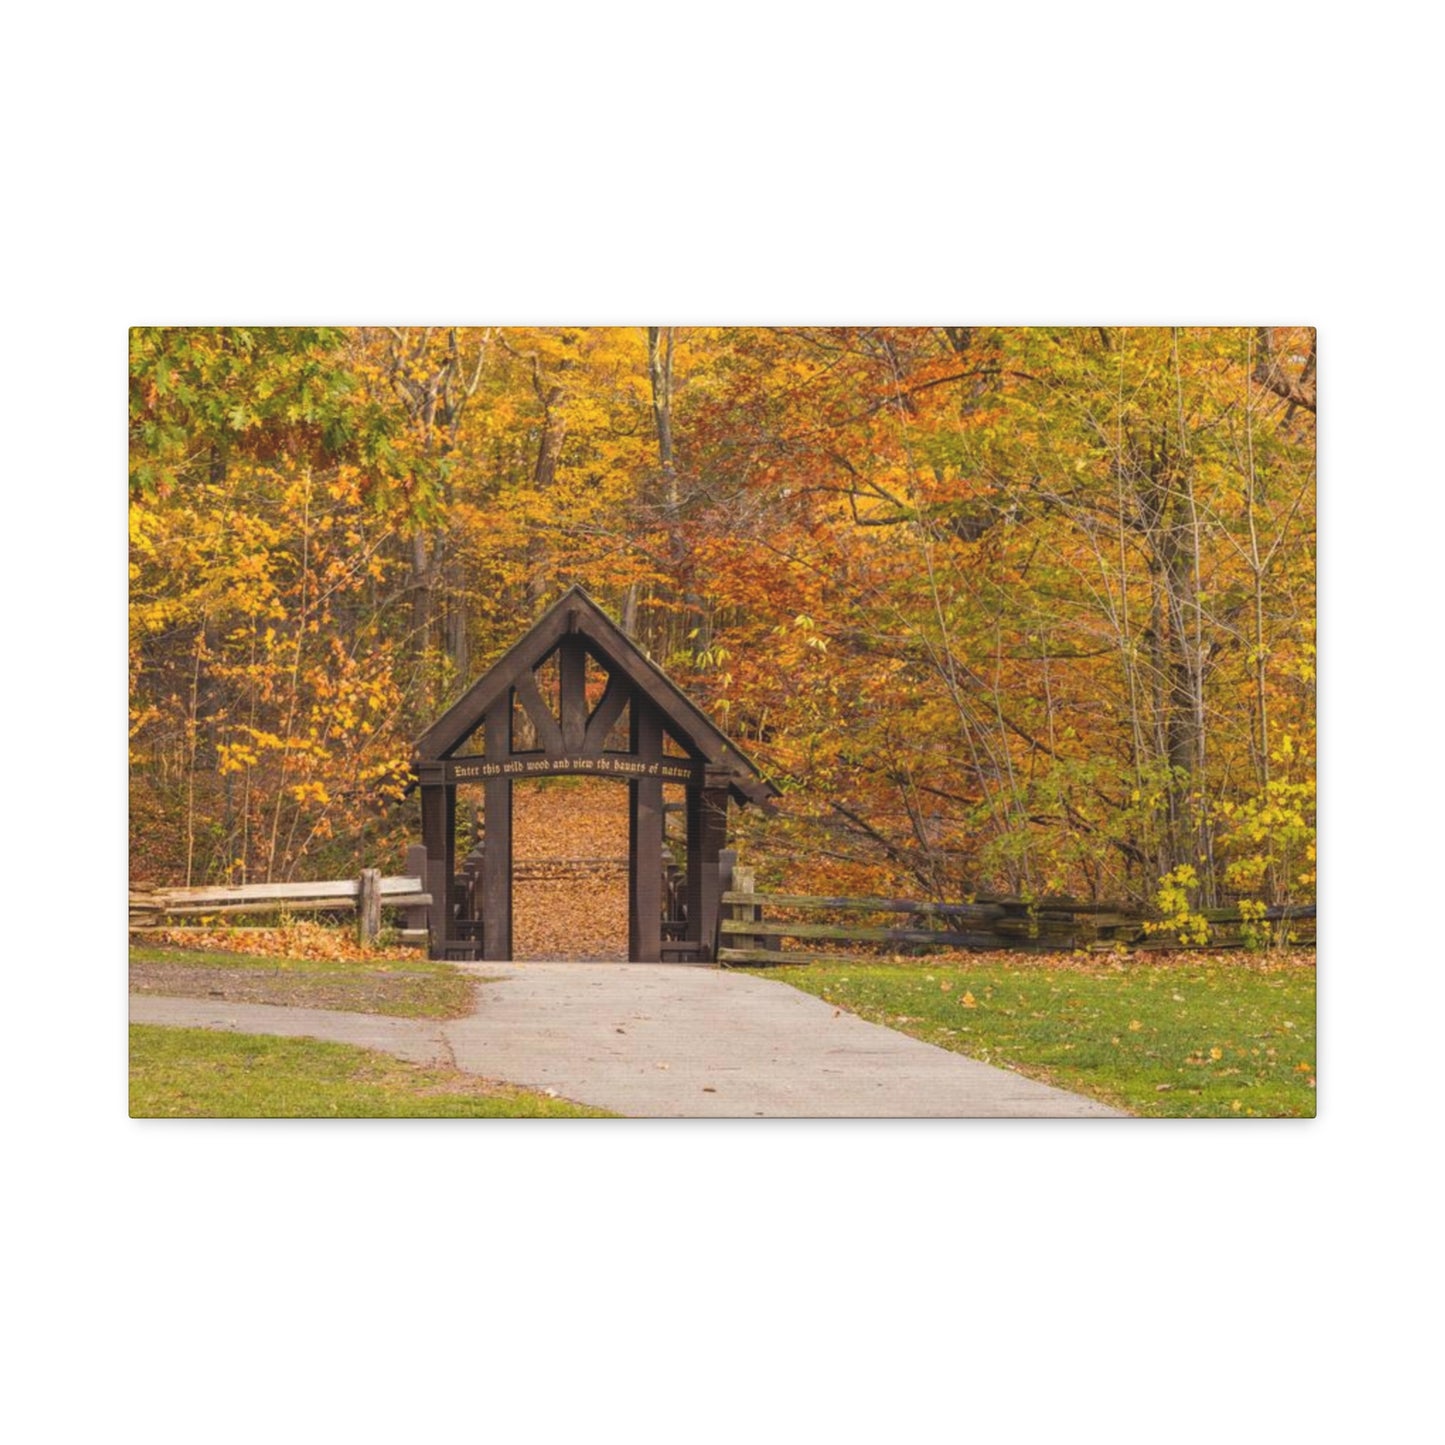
(576, 695)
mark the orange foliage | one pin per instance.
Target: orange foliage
(1024, 610)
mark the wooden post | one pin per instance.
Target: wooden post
(497, 855)
(644, 828)
(727, 860)
(695, 932)
(368, 908)
(712, 827)
(437, 882)
(449, 822)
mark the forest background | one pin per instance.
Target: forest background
(1028, 611)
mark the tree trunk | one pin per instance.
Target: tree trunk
(1166, 501)
(421, 587)
(659, 372)
(544, 474)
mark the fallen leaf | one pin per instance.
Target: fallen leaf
(968, 1000)
(1216, 1054)
(1135, 1026)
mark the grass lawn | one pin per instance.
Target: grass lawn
(1197, 1036)
(202, 1074)
(413, 988)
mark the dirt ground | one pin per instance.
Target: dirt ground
(569, 852)
(395, 990)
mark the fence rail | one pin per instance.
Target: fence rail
(1048, 925)
(366, 895)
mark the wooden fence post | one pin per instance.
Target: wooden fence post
(416, 918)
(368, 907)
(726, 861)
(743, 882)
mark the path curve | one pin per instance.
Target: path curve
(668, 1041)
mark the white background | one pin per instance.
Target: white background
(629, 163)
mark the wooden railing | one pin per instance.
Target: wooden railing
(367, 895)
(1049, 925)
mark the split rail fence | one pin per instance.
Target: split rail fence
(1051, 925)
(366, 895)
(746, 935)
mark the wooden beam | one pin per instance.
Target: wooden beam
(549, 735)
(340, 889)
(467, 714)
(777, 929)
(572, 704)
(295, 905)
(604, 717)
(769, 955)
(978, 912)
(603, 765)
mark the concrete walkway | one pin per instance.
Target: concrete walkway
(668, 1041)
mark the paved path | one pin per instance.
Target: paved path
(665, 1040)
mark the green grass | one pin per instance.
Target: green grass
(201, 1074)
(1221, 1039)
(411, 988)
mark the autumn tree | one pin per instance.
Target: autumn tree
(1027, 610)
(263, 488)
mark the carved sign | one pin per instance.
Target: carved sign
(669, 770)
